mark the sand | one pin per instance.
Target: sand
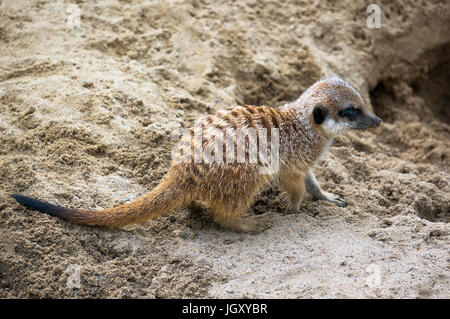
(88, 108)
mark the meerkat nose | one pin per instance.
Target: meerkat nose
(376, 121)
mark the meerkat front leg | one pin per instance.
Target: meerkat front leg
(293, 183)
(313, 187)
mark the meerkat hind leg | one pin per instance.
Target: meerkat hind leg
(314, 188)
(251, 225)
(234, 222)
(196, 207)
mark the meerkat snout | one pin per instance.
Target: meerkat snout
(358, 118)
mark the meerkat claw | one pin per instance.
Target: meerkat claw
(341, 203)
(293, 209)
(262, 222)
(250, 225)
(335, 200)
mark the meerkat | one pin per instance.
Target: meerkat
(304, 131)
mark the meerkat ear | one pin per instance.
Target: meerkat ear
(319, 114)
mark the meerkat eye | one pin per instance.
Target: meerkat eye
(350, 112)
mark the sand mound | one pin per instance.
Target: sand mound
(87, 108)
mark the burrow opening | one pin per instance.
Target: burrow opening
(431, 84)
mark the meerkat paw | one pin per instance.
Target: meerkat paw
(332, 198)
(249, 225)
(196, 207)
(293, 208)
(262, 222)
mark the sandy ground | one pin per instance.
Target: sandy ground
(87, 109)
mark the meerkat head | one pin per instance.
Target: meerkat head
(335, 106)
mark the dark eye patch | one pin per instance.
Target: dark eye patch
(319, 114)
(350, 112)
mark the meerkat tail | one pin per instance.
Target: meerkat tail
(163, 199)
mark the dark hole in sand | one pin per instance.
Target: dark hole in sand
(432, 85)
